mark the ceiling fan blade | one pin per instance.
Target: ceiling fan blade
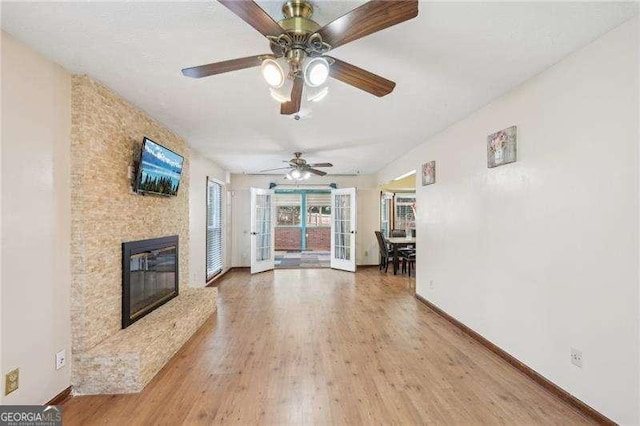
(321, 165)
(254, 15)
(317, 172)
(293, 106)
(362, 79)
(273, 170)
(367, 19)
(225, 66)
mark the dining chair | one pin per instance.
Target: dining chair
(384, 252)
(408, 260)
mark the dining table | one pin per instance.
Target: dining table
(397, 242)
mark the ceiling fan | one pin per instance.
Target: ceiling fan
(299, 169)
(299, 48)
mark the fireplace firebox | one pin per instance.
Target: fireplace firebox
(149, 276)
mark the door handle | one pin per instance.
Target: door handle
(353, 232)
(254, 233)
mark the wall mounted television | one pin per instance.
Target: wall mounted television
(159, 170)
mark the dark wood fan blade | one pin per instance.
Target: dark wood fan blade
(225, 66)
(293, 106)
(254, 15)
(317, 172)
(273, 170)
(321, 165)
(367, 19)
(362, 79)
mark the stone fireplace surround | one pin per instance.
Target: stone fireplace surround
(106, 133)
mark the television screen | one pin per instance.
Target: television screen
(159, 170)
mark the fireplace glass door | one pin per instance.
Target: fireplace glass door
(150, 276)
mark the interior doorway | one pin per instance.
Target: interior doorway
(302, 228)
(398, 206)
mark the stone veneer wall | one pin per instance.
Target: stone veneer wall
(106, 134)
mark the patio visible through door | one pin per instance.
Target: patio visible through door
(302, 228)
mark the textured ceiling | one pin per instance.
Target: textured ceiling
(449, 61)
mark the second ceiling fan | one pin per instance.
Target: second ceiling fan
(299, 169)
(298, 60)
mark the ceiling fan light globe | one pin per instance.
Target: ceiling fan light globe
(279, 97)
(316, 72)
(318, 95)
(295, 174)
(307, 175)
(288, 176)
(272, 73)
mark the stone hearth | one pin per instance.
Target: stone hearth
(129, 359)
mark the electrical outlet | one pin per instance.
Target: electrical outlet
(576, 357)
(366, 253)
(431, 285)
(11, 381)
(61, 359)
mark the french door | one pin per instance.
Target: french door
(343, 229)
(262, 230)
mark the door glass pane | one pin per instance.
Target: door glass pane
(263, 227)
(342, 237)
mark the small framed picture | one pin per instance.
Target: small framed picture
(429, 173)
(502, 147)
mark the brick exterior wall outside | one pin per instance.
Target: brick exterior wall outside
(319, 239)
(288, 238)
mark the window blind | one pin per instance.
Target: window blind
(214, 228)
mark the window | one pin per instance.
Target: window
(288, 212)
(318, 209)
(288, 216)
(214, 228)
(405, 216)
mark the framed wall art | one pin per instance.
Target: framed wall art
(502, 147)
(429, 173)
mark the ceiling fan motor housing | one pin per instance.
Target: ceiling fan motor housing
(297, 8)
(297, 17)
(298, 161)
(300, 32)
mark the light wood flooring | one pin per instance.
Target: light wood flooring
(318, 346)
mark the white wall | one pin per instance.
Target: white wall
(368, 197)
(201, 168)
(36, 127)
(541, 256)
